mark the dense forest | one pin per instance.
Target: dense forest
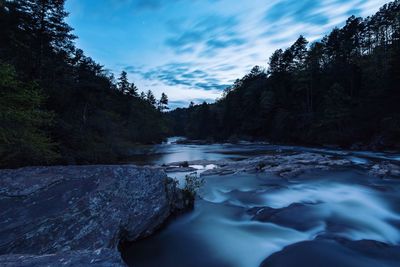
(57, 105)
(342, 90)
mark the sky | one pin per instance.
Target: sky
(193, 49)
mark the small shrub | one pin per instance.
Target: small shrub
(185, 164)
(192, 184)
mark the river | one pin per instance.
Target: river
(335, 218)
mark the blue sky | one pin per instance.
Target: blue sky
(193, 49)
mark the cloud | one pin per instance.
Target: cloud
(185, 103)
(302, 11)
(211, 86)
(205, 36)
(180, 74)
(157, 4)
(192, 49)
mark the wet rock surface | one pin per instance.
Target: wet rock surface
(282, 164)
(385, 169)
(333, 253)
(287, 165)
(301, 217)
(68, 213)
(99, 258)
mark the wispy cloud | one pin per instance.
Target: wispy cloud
(205, 36)
(180, 74)
(194, 49)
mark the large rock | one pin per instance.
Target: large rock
(335, 253)
(98, 258)
(54, 210)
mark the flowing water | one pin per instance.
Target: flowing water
(240, 220)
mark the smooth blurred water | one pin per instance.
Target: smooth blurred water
(169, 152)
(240, 220)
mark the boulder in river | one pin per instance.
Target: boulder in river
(384, 169)
(334, 253)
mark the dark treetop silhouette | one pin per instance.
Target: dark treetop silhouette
(342, 90)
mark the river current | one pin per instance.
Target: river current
(320, 218)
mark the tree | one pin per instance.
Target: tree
(21, 118)
(125, 87)
(133, 90)
(43, 31)
(163, 103)
(150, 98)
(123, 83)
(255, 71)
(314, 66)
(299, 53)
(276, 63)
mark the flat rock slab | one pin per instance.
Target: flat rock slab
(49, 210)
(97, 258)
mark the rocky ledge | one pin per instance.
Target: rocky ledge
(285, 165)
(281, 163)
(78, 215)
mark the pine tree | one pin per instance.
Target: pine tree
(150, 98)
(123, 83)
(44, 32)
(163, 103)
(276, 63)
(299, 52)
(133, 90)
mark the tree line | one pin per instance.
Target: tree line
(57, 105)
(342, 90)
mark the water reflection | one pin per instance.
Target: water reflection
(170, 151)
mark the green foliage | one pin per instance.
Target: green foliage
(96, 119)
(21, 122)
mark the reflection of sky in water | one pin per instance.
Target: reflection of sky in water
(170, 152)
